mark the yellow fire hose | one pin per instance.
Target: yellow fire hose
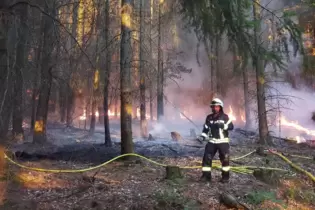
(216, 165)
(296, 167)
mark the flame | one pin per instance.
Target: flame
(300, 139)
(296, 126)
(181, 115)
(284, 122)
(231, 115)
(147, 116)
(83, 117)
(243, 118)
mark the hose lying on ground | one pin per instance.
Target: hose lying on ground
(296, 167)
(237, 169)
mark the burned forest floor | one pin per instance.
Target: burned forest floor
(138, 184)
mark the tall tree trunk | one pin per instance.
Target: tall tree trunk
(260, 80)
(37, 59)
(63, 102)
(21, 57)
(135, 61)
(248, 120)
(96, 85)
(218, 65)
(36, 76)
(6, 74)
(150, 58)
(70, 95)
(108, 141)
(160, 77)
(125, 78)
(34, 95)
(143, 119)
(212, 66)
(46, 78)
(209, 51)
(94, 101)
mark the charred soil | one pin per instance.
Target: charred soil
(138, 184)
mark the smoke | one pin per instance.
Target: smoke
(296, 107)
(182, 95)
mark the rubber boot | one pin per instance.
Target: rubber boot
(206, 177)
(225, 177)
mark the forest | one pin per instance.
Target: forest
(103, 103)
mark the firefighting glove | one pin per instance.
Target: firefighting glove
(221, 125)
(201, 139)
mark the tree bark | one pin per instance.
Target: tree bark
(63, 102)
(218, 65)
(143, 119)
(6, 74)
(160, 77)
(46, 79)
(70, 95)
(108, 141)
(96, 85)
(248, 122)
(38, 57)
(264, 137)
(125, 78)
(150, 57)
(21, 57)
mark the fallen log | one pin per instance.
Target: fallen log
(246, 132)
(231, 202)
(170, 148)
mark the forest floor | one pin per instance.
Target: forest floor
(138, 184)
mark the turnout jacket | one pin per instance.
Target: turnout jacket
(217, 127)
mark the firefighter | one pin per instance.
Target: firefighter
(216, 132)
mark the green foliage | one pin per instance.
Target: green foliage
(258, 197)
(306, 196)
(289, 13)
(233, 18)
(171, 199)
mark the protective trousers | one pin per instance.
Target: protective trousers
(224, 155)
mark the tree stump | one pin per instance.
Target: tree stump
(176, 136)
(173, 172)
(150, 138)
(193, 133)
(267, 176)
(261, 151)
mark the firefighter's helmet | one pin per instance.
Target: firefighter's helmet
(216, 102)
